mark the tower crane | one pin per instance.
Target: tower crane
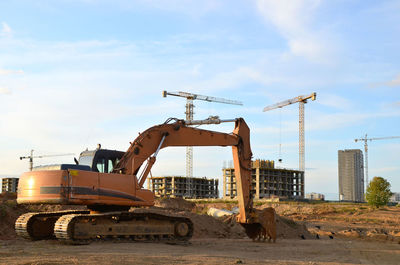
(189, 117)
(365, 140)
(31, 157)
(301, 100)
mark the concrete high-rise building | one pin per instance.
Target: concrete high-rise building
(9, 184)
(315, 196)
(267, 181)
(351, 175)
(178, 186)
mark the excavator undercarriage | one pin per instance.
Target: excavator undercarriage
(82, 227)
(38, 226)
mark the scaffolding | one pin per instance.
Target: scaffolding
(177, 186)
(267, 181)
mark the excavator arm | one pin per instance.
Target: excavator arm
(147, 144)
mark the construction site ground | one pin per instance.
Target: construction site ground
(348, 234)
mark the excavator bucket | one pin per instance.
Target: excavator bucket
(262, 225)
(253, 230)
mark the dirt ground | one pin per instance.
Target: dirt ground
(352, 221)
(203, 251)
(323, 233)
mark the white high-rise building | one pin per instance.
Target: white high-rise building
(351, 175)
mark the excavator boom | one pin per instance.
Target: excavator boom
(178, 134)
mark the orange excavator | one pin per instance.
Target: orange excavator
(109, 183)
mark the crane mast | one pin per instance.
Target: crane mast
(301, 137)
(365, 140)
(189, 149)
(189, 117)
(301, 100)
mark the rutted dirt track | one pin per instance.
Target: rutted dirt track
(307, 234)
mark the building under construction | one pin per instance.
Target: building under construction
(178, 186)
(9, 184)
(267, 181)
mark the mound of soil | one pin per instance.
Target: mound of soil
(175, 204)
(287, 228)
(10, 211)
(8, 196)
(205, 226)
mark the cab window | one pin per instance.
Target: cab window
(110, 165)
(86, 160)
(101, 165)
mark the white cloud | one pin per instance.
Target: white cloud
(332, 121)
(9, 72)
(5, 72)
(317, 121)
(293, 19)
(394, 82)
(290, 16)
(335, 101)
(307, 46)
(5, 29)
(5, 91)
(232, 79)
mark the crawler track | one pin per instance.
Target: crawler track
(122, 226)
(37, 226)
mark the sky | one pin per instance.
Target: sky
(74, 73)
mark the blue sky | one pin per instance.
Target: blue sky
(74, 73)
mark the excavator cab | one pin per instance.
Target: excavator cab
(100, 160)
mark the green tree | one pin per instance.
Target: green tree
(378, 192)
